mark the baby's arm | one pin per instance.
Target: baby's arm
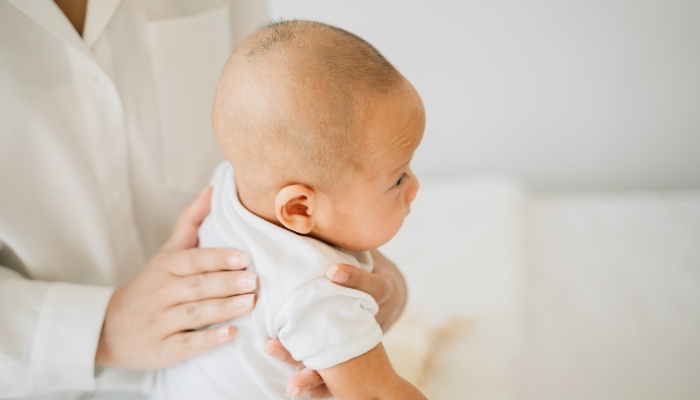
(369, 376)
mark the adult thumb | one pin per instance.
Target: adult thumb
(184, 235)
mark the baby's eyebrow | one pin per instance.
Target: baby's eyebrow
(397, 170)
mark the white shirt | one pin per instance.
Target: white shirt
(103, 140)
(320, 323)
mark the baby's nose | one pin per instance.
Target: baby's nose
(413, 190)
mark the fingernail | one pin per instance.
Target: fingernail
(238, 260)
(248, 283)
(296, 391)
(337, 275)
(277, 353)
(224, 332)
(243, 301)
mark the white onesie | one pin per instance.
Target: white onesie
(320, 323)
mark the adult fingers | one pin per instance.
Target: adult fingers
(386, 284)
(184, 345)
(305, 381)
(210, 286)
(198, 261)
(184, 235)
(376, 285)
(197, 314)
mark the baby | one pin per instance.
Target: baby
(320, 130)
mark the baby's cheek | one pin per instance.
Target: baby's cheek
(394, 224)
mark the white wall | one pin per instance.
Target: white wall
(587, 94)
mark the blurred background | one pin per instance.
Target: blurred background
(598, 94)
(553, 251)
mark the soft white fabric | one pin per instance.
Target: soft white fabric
(461, 252)
(320, 323)
(613, 307)
(527, 295)
(103, 140)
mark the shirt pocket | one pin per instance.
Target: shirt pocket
(187, 55)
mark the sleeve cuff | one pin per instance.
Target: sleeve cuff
(68, 330)
(346, 353)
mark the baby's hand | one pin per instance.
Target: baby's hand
(307, 381)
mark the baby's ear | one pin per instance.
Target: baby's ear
(294, 208)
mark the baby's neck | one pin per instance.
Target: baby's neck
(258, 205)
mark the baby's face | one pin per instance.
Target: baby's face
(370, 210)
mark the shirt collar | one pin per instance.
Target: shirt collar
(47, 14)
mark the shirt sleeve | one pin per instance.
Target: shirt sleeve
(323, 324)
(48, 335)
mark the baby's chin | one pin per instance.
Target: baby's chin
(358, 241)
(350, 245)
(367, 244)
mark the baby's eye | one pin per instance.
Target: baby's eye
(401, 179)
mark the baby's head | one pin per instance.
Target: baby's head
(320, 130)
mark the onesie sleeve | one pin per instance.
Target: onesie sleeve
(323, 324)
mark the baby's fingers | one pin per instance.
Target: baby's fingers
(274, 348)
(318, 392)
(308, 382)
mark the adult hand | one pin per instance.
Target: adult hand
(388, 288)
(151, 321)
(385, 283)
